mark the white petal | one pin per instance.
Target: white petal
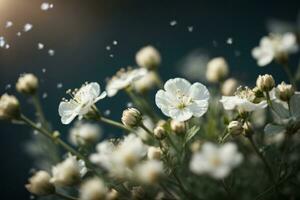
(163, 101)
(198, 91)
(289, 42)
(102, 96)
(229, 102)
(173, 85)
(94, 89)
(67, 119)
(199, 108)
(180, 114)
(67, 108)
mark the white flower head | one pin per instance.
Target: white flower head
(68, 172)
(148, 57)
(84, 134)
(81, 103)
(181, 100)
(149, 171)
(216, 161)
(244, 100)
(93, 189)
(274, 46)
(123, 79)
(217, 69)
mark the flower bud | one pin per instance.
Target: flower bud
(159, 133)
(217, 70)
(131, 117)
(285, 91)
(248, 129)
(39, 184)
(196, 145)
(9, 107)
(148, 57)
(154, 153)
(93, 189)
(235, 128)
(265, 82)
(27, 84)
(229, 87)
(177, 127)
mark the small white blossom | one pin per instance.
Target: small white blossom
(93, 189)
(81, 103)
(274, 47)
(181, 100)
(85, 134)
(39, 184)
(123, 79)
(68, 172)
(216, 161)
(149, 171)
(243, 101)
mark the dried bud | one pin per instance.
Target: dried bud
(39, 184)
(27, 84)
(9, 107)
(177, 127)
(93, 189)
(112, 195)
(229, 87)
(265, 82)
(131, 117)
(217, 70)
(159, 133)
(148, 57)
(235, 128)
(154, 153)
(285, 91)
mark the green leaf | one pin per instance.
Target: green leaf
(191, 133)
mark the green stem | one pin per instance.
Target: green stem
(142, 125)
(39, 110)
(289, 74)
(269, 100)
(115, 124)
(64, 196)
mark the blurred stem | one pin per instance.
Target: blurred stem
(182, 188)
(142, 125)
(289, 74)
(269, 100)
(159, 80)
(38, 106)
(64, 196)
(115, 124)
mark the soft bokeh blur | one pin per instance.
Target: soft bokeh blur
(80, 31)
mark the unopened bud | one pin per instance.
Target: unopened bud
(148, 57)
(235, 128)
(154, 153)
(217, 70)
(9, 107)
(40, 185)
(285, 91)
(131, 117)
(265, 82)
(177, 127)
(27, 84)
(159, 133)
(229, 87)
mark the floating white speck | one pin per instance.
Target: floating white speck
(19, 34)
(129, 104)
(8, 86)
(190, 28)
(45, 95)
(51, 52)
(8, 24)
(2, 42)
(44, 70)
(46, 6)
(115, 42)
(27, 27)
(111, 55)
(107, 112)
(40, 46)
(229, 41)
(173, 23)
(108, 48)
(59, 85)
(7, 46)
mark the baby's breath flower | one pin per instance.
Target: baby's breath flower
(229, 87)
(93, 189)
(265, 82)
(39, 184)
(285, 91)
(149, 172)
(217, 70)
(27, 84)
(131, 117)
(216, 161)
(154, 153)
(148, 57)
(68, 172)
(81, 103)
(124, 79)
(9, 107)
(85, 134)
(274, 46)
(180, 100)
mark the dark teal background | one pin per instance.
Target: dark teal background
(80, 30)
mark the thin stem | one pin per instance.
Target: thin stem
(269, 100)
(142, 125)
(289, 74)
(115, 124)
(227, 189)
(39, 110)
(260, 155)
(64, 196)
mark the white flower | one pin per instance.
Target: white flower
(81, 103)
(148, 57)
(9, 107)
(27, 84)
(243, 101)
(180, 100)
(229, 87)
(93, 189)
(217, 69)
(124, 79)
(274, 46)
(149, 171)
(39, 184)
(103, 156)
(68, 172)
(84, 133)
(216, 161)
